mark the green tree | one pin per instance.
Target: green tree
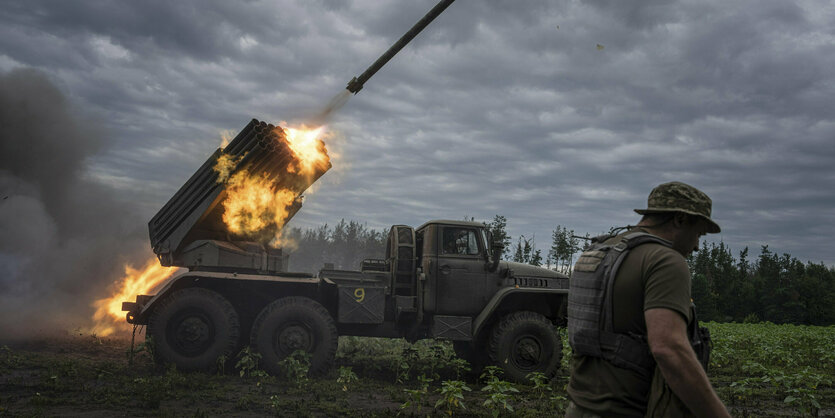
(564, 244)
(526, 251)
(498, 230)
(523, 250)
(536, 258)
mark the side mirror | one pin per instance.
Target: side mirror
(497, 248)
(490, 244)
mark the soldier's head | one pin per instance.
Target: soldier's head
(679, 212)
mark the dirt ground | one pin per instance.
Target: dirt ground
(92, 377)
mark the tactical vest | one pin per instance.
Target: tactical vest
(590, 322)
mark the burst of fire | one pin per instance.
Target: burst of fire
(309, 150)
(109, 316)
(254, 204)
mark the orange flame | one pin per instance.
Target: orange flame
(309, 150)
(251, 205)
(254, 205)
(109, 315)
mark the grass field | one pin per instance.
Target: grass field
(758, 370)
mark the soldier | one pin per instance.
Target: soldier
(638, 350)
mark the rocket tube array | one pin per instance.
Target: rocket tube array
(261, 149)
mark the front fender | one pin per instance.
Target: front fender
(500, 296)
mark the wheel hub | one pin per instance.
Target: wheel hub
(192, 334)
(295, 337)
(527, 352)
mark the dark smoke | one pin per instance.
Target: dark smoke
(63, 237)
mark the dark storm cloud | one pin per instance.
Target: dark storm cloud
(497, 107)
(63, 238)
(203, 30)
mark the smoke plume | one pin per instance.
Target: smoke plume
(63, 237)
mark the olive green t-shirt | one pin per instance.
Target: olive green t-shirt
(651, 276)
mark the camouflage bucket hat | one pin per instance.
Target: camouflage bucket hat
(679, 197)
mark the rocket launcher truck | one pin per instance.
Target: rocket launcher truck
(443, 280)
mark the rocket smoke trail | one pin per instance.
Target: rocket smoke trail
(336, 103)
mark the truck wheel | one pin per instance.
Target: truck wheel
(192, 328)
(525, 342)
(290, 324)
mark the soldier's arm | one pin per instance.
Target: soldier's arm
(667, 334)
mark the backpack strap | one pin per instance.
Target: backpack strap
(627, 350)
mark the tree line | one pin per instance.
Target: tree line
(344, 245)
(770, 287)
(775, 288)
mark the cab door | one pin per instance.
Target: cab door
(460, 271)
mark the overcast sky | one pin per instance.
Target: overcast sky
(547, 112)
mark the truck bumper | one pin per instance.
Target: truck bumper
(134, 308)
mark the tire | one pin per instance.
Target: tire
(525, 342)
(192, 328)
(290, 324)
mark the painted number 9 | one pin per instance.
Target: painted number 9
(359, 293)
